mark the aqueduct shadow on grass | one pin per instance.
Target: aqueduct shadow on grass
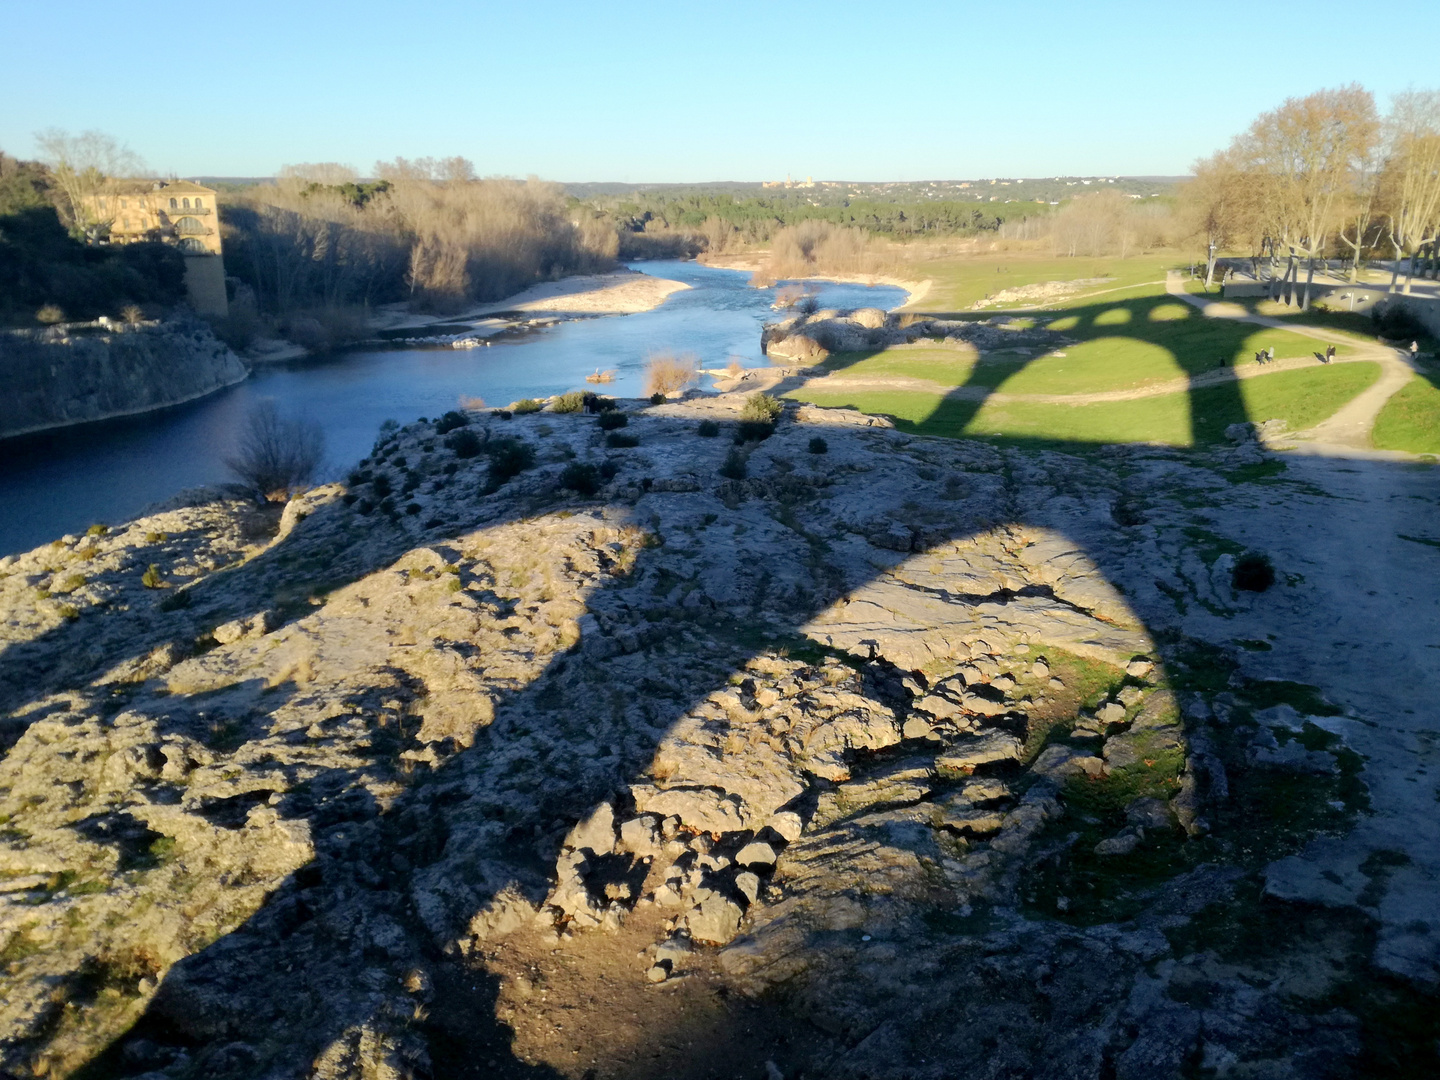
(269, 995)
(1116, 350)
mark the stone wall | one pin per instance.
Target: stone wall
(73, 374)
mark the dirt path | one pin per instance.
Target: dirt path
(1351, 425)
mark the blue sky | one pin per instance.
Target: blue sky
(685, 91)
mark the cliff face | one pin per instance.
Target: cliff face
(57, 377)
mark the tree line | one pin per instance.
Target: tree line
(423, 230)
(1325, 176)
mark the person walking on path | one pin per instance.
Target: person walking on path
(1414, 349)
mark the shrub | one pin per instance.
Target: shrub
(1253, 573)
(616, 441)
(97, 530)
(580, 478)
(381, 485)
(818, 445)
(508, 458)
(399, 461)
(180, 598)
(733, 467)
(753, 431)
(608, 468)
(594, 403)
(464, 443)
(50, 314)
(72, 582)
(69, 611)
(761, 407)
(412, 508)
(450, 421)
(502, 414)
(708, 429)
(658, 398)
(277, 455)
(132, 314)
(156, 537)
(152, 578)
(613, 419)
(472, 404)
(734, 367)
(526, 405)
(668, 374)
(570, 402)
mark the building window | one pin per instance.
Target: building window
(125, 223)
(193, 246)
(174, 204)
(123, 204)
(197, 204)
(187, 203)
(191, 225)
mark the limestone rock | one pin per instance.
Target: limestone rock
(969, 752)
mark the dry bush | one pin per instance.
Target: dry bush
(277, 455)
(734, 367)
(471, 404)
(667, 374)
(132, 314)
(818, 247)
(50, 314)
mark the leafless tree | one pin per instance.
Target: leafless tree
(277, 455)
(82, 163)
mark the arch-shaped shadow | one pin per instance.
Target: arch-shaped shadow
(270, 995)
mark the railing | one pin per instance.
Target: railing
(180, 211)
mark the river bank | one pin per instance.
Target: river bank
(752, 263)
(80, 373)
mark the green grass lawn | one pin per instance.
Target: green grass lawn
(1119, 345)
(960, 282)
(1411, 419)
(1300, 398)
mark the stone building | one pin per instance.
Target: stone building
(178, 212)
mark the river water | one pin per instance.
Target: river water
(109, 471)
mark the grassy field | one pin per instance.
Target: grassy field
(1411, 419)
(1119, 344)
(960, 282)
(1300, 398)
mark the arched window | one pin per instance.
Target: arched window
(189, 225)
(174, 204)
(197, 205)
(187, 204)
(192, 246)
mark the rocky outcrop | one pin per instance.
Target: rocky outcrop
(446, 763)
(810, 338)
(70, 375)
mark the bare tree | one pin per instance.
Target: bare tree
(82, 163)
(277, 455)
(1303, 157)
(1410, 184)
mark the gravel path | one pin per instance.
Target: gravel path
(1351, 425)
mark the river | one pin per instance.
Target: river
(62, 482)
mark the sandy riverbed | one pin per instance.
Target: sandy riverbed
(621, 292)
